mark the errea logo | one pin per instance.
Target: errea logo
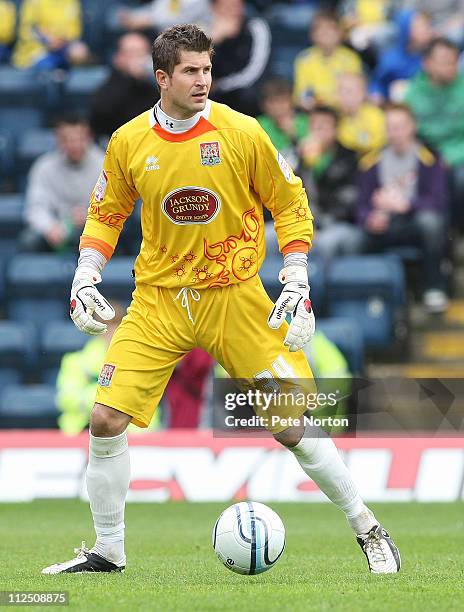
(151, 163)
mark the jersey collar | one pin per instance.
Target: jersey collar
(159, 118)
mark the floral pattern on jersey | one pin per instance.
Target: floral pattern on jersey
(111, 219)
(301, 213)
(237, 255)
(201, 274)
(179, 272)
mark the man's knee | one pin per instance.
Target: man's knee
(106, 422)
(430, 223)
(291, 436)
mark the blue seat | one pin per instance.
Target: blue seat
(17, 345)
(11, 215)
(19, 121)
(82, 84)
(118, 282)
(371, 290)
(269, 274)
(28, 407)
(58, 338)
(7, 156)
(18, 87)
(32, 144)
(38, 287)
(347, 336)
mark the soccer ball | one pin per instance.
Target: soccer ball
(249, 538)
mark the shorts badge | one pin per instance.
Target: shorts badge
(210, 154)
(106, 374)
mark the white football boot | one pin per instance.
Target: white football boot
(381, 552)
(85, 561)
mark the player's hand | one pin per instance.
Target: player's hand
(295, 300)
(86, 300)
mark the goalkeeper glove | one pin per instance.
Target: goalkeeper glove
(86, 300)
(294, 299)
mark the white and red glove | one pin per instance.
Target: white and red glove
(295, 300)
(86, 300)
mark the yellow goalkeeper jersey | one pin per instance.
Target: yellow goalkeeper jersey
(203, 193)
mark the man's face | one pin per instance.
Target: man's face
(133, 55)
(442, 65)
(324, 128)
(73, 141)
(326, 34)
(351, 92)
(401, 129)
(278, 106)
(186, 91)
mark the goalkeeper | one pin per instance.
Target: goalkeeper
(204, 173)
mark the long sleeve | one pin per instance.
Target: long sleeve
(432, 186)
(368, 183)
(39, 211)
(280, 191)
(111, 202)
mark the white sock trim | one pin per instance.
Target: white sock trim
(108, 447)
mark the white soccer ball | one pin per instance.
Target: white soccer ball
(249, 538)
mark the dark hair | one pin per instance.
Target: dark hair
(321, 109)
(441, 41)
(324, 16)
(276, 86)
(168, 45)
(398, 106)
(70, 117)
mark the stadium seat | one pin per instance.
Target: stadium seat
(11, 223)
(28, 407)
(38, 287)
(118, 282)
(31, 145)
(18, 87)
(269, 274)
(347, 336)
(58, 338)
(17, 352)
(371, 290)
(82, 83)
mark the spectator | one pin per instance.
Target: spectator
(362, 124)
(447, 16)
(367, 25)
(7, 28)
(403, 59)
(49, 35)
(403, 201)
(161, 14)
(284, 126)
(329, 172)
(317, 68)
(130, 86)
(436, 97)
(243, 48)
(59, 186)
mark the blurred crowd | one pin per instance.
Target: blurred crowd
(364, 98)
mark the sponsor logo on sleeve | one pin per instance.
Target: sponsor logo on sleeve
(210, 154)
(100, 187)
(285, 167)
(191, 205)
(106, 374)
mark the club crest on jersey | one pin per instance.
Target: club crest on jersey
(100, 187)
(210, 154)
(191, 205)
(106, 374)
(151, 163)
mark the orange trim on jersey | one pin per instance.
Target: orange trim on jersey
(89, 242)
(296, 246)
(198, 129)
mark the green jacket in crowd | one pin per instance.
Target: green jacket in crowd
(439, 110)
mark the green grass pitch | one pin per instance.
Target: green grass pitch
(172, 566)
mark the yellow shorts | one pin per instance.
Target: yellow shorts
(230, 323)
